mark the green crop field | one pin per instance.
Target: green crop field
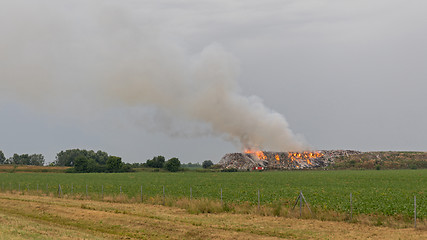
(388, 192)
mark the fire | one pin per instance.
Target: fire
(305, 156)
(292, 156)
(259, 154)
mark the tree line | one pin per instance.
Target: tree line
(81, 161)
(172, 165)
(90, 161)
(23, 159)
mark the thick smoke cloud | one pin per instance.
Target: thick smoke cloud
(54, 52)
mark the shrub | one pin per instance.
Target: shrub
(207, 164)
(173, 164)
(156, 162)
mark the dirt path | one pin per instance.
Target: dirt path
(24, 217)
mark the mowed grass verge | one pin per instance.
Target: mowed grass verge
(388, 193)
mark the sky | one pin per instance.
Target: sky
(199, 79)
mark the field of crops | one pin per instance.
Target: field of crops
(388, 192)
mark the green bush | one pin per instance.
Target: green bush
(156, 162)
(172, 165)
(207, 164)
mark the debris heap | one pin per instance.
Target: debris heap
(282, 160)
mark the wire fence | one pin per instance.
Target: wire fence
(98, 192)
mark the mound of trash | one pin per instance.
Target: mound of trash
(260, 160)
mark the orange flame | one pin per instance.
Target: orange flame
(305, 156)
(259, 154)
(293, 156)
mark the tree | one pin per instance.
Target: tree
(156, 162)
(114, 164)
(25, 159)
(207, 164)
(2, 158)
(37, 159)
(173, 164)
(68, 157)
(101, 157)
(90, 161)
(81, 164)
(93, 166)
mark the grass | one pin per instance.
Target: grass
(388, 193)
(39, 217)
(9, 168)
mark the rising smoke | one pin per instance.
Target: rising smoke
(53, 51)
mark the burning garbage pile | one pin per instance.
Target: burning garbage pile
(251, 160)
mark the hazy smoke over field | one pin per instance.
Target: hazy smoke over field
(54, 52)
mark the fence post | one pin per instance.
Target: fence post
(102, 191)
(120, 189)
(415, 211)
(37, 187)
(86, 191)
(221, 197)
(141, 193)
(300, 203)
(259, 202)
(19, 187)
(47, 189)
(191, 193)
(72, 189)
(59, 190)
(351, 207)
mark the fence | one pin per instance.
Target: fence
(91, 191)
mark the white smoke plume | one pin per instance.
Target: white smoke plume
(54, 51)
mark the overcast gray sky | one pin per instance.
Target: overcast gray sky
(344, 75)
